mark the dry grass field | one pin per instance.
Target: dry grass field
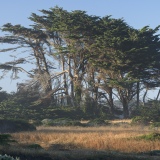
(115, 138)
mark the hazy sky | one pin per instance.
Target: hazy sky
(137, 13)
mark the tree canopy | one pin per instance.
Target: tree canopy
(99, 58)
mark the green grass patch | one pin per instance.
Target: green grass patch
(149, 137)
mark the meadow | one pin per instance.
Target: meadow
(115, 142)
(95, 138)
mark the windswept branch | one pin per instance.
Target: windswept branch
(14, 69)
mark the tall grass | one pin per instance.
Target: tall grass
(96, 138)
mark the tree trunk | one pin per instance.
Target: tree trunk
(158, 95)
(71, 82)
(125, 108)
(77, 88)
(78, 92)
(43, 70)
(137, 94)
(110, 94)
(144, 96)
(65, 81)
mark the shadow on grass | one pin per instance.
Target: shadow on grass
(70, 154)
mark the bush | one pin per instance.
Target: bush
(150, 111)
(151, 137)
(46, 122)
(6, 157)
(138, 120)
(33, 146)
(155, 124)
(5, 139)
(66, 122)
(4, 96)
(61, 122)
(35, 122)
(97, 122)
(11, 125)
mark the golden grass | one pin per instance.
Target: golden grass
(97, 138)
(121, 120)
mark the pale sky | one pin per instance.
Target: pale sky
(137, 13)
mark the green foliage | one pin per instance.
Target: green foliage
(97, 122)
(155, 124)
(87, 106)
(7, 157)
(61, 122)
(5, 139)
(103, 43)
(151, 137)
(147, 113)
(140, 120)
(122, 52)
(16, 109)
(35, 122)
(12, 108)
(46, 121)
(4, 96)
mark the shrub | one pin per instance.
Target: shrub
(5, 139)
(11, 125)
(150, 111)
(155, 124)
(6, 157)
(35, 122)
(47, 121)
(97, 122)
(4, 96)
(152, 137)
(139, 120)
(66, 122)
(61, 122)
(34, 146)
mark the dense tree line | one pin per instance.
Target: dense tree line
(78, 59)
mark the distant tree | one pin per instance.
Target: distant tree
(3, 95)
